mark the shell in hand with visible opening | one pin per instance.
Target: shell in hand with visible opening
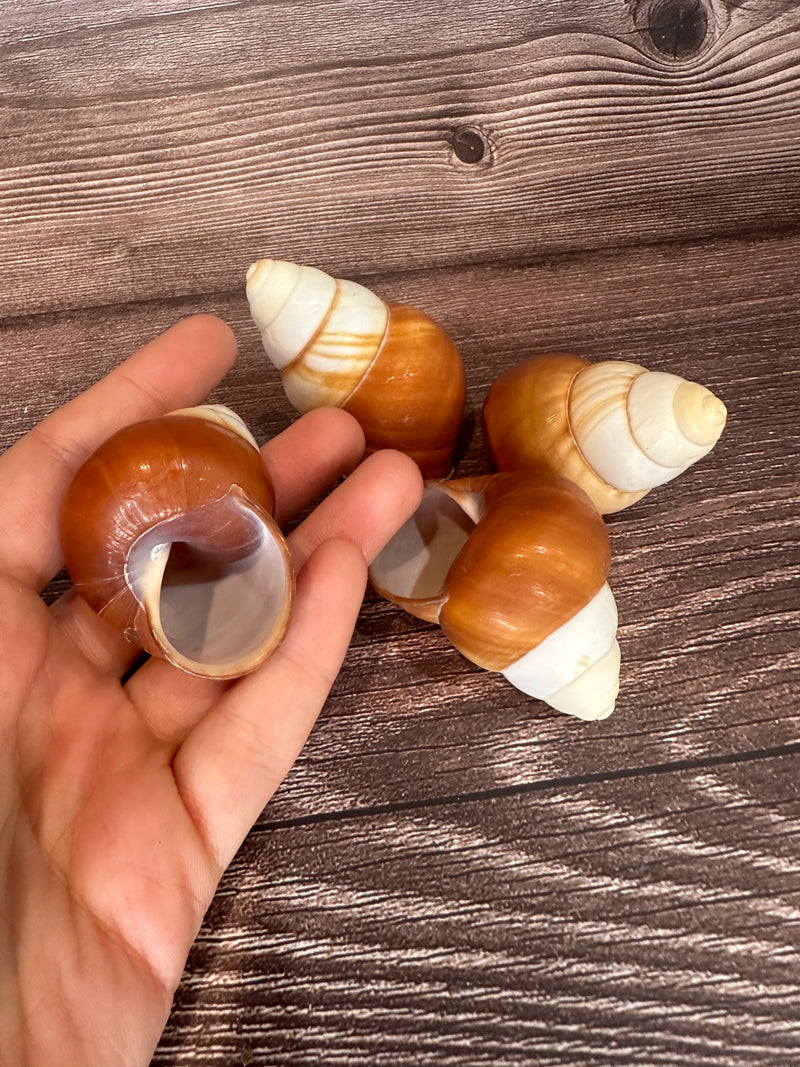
(513, 568)
(168, 534)
(337, 344)
(614, 428)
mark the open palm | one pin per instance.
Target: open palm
(122, 804)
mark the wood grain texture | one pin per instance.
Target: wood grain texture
(649, 920)
(453, 874)
(595, 142)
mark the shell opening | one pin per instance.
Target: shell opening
(216, 586)
(415, 562)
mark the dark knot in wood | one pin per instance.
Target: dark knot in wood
(678, 28)
(469, 144)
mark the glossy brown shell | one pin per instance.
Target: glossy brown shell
(526, 424)
(145, 474)
(537, 556)
(413, 394)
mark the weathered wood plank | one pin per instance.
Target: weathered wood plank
(204, 42)
(148, 190)
(638, 921)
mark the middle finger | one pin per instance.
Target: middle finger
(309, 456)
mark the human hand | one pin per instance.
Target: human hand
(121, 805)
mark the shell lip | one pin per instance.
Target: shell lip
(215, 610)
(412, 569)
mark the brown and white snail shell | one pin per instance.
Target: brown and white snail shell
(614, 428)
(167, 532)
(513, 568)
(337, 344)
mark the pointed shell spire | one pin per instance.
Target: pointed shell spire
(615, 428)
(576, 668)
(320, 332)
(637, 428)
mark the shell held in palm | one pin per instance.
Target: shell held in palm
(513, 568)
(614, 428)
(336, 343)
(168, 534)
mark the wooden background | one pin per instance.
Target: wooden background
(453, 874)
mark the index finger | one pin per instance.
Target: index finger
(177, 369)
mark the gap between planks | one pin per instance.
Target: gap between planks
(544, 784)
(559, 257)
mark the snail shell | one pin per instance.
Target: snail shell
(513, 568)
(167, 532)
(337, 344)
(614, 428)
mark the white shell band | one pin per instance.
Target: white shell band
(599, 421)
(654, 407)
(570, 651)
(338, 355)
(322, 333)
(591, 695)
(288, 304)
(223, 416)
